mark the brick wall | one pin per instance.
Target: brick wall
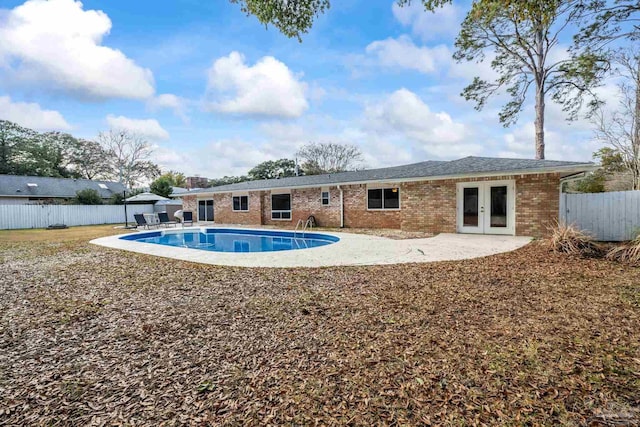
(356, 214)
(431, 206)
(537, 203)
(306, 202)
(425, 206)
(190, 203)
(223, 212)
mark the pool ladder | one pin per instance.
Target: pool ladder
(304, 225)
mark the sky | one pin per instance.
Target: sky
(215, 92)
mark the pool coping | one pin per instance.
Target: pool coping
(350, 250)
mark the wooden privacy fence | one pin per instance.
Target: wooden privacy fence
(612, 216)
(41, 216)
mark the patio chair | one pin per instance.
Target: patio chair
(164, 219)
(187, 216)
(140, 221)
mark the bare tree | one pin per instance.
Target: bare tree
(329, 157)
(620, 128)
(129, 156)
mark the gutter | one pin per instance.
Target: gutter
(341, 206)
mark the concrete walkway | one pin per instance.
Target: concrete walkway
(352, 249)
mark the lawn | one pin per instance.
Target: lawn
(90, 335)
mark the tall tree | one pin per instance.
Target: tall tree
(14, 140)
(89, 160)
(176, 179)
(162, 186)
(524, 36)
(619, 128)
(273, 169)
(129, 155)
(319, 158)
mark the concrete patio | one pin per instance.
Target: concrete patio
(352, 249)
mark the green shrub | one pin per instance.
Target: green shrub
(88, 196)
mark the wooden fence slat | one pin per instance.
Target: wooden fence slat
(611, 216)
(41, 216)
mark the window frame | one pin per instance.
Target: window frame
(233, 204)
(382, 189)
(282, 212)
(322, 198)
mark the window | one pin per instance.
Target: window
(103, 186)
(281, 206)
(30, 184)
(383, 198)
(241, 203)
(324, 197)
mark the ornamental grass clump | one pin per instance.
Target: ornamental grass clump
(566, 238)
(628, 252)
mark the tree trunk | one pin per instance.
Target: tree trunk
(635, 123)
(539, 123)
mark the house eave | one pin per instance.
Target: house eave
(587, 167)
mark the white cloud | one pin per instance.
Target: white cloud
(149, 128)
(31, 115)
(171, 102)
(404, 112)
(403, 53)
(58, 43)
(267, 88)
(444, 22)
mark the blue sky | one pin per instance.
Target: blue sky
(216, 93)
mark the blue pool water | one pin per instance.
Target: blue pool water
(233, 240)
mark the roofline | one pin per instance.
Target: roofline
(45, 195)
(583, 167)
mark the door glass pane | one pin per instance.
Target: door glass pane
(499, 206)
(209, 210)
(201, 210)
(470, 207)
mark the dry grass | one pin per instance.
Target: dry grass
(628, 252)
(96, 336)
(566, 238)
(58, 236)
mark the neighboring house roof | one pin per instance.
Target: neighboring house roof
(467, 166)
(38, 186)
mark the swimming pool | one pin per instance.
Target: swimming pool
(233, 240)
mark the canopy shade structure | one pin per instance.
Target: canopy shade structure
(145, 197)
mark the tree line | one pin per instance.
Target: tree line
(116, 155)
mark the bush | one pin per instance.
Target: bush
(628, 252)
(88, 196)
(569, 240)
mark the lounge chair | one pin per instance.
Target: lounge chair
(164, 219)
(140, 221)
(187, 216)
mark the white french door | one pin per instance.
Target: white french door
(486, 207)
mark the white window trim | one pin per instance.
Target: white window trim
(383, 208)
(325, 190)
(239, 210)
(290, 211)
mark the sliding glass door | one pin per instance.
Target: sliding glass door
(205, 210)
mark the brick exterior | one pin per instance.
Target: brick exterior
(429, 206)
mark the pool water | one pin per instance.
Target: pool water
(232, 240)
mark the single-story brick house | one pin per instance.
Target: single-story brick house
(28, 190)
(468, 195)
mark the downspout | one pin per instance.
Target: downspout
(341, 207)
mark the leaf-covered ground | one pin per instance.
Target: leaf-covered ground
(96, 336)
